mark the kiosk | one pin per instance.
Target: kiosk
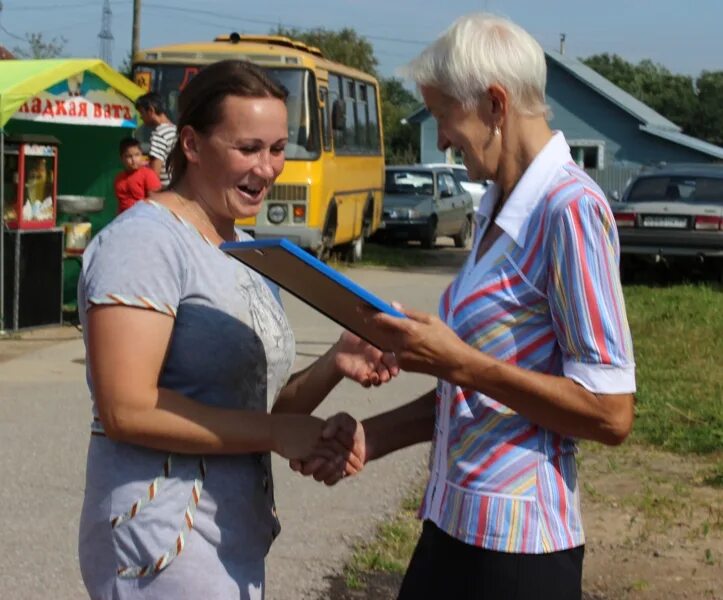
(61, 124)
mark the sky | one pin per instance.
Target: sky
(682, 36)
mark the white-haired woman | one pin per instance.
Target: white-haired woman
(531, 347)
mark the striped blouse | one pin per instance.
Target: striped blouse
(546, 297)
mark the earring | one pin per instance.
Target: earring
(496, 130)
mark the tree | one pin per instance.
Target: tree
(401, 142)
(126, 67)
(39, 47)
(677, 97)
(709, 116)
(345, 46)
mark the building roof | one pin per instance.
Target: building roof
(612, 92)
(5, 54)
(685, 140)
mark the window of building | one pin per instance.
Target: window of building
(588, 154)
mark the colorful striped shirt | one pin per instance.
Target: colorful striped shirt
(546, 297)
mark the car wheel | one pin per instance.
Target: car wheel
(462, 239)
(429, 236)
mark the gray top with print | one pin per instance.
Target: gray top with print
(231, 347)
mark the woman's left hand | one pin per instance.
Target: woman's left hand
(360, 361)
(421, 343)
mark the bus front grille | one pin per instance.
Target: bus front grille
(288, 193)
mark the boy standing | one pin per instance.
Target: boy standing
(136, 181)
(163, 133)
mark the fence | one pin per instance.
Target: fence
(614, 178)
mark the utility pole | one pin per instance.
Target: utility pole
(136, 39)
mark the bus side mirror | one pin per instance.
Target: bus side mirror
(338, 115)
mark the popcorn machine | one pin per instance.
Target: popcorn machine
(30, 181)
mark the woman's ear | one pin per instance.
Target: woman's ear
(188, 140)
(499, 103)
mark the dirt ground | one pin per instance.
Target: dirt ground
(654, 530)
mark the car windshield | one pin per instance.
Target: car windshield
(409, 182)
(461, 174)
(677, 187)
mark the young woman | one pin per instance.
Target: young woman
(186, 350)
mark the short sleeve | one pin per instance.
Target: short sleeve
(159, 146)
(153, 183)
(135, 261)
(586, 299)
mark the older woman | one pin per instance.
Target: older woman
(531, 347)
(186, 349)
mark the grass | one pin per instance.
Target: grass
(678, 339)
(392, 256)
(391, 548)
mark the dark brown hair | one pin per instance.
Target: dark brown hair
(126, 143)
(199, 104)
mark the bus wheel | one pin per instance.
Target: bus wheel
(323, 252)
(354, 251)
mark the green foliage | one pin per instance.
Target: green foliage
(39, 47)
(401, 141)
(345, 46)
(709, 118)
(693, 105)
(126, 67)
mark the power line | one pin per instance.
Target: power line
(210, 13)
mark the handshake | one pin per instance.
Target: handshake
(325, 450)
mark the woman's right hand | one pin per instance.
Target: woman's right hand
(295, 436)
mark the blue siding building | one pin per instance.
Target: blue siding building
(611, 134)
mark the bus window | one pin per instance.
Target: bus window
(351, 142)
(325, 118)
(373, 122)
(334, 95)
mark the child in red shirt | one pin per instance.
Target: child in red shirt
(137, 181)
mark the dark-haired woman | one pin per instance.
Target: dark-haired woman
(186, 350)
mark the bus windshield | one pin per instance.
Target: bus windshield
(169, 80)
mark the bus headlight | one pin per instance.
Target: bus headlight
(276, 213)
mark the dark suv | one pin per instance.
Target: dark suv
(674, 212)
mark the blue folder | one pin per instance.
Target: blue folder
(313, 282)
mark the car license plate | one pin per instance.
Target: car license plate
(666, 222)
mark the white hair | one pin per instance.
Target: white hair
(479, 50)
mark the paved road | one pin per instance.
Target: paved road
(44, 416)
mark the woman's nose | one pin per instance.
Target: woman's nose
(264, 166)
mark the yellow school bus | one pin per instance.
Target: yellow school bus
(330, 191)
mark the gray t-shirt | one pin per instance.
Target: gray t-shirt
(231, 347)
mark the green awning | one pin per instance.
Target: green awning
(21, 80)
